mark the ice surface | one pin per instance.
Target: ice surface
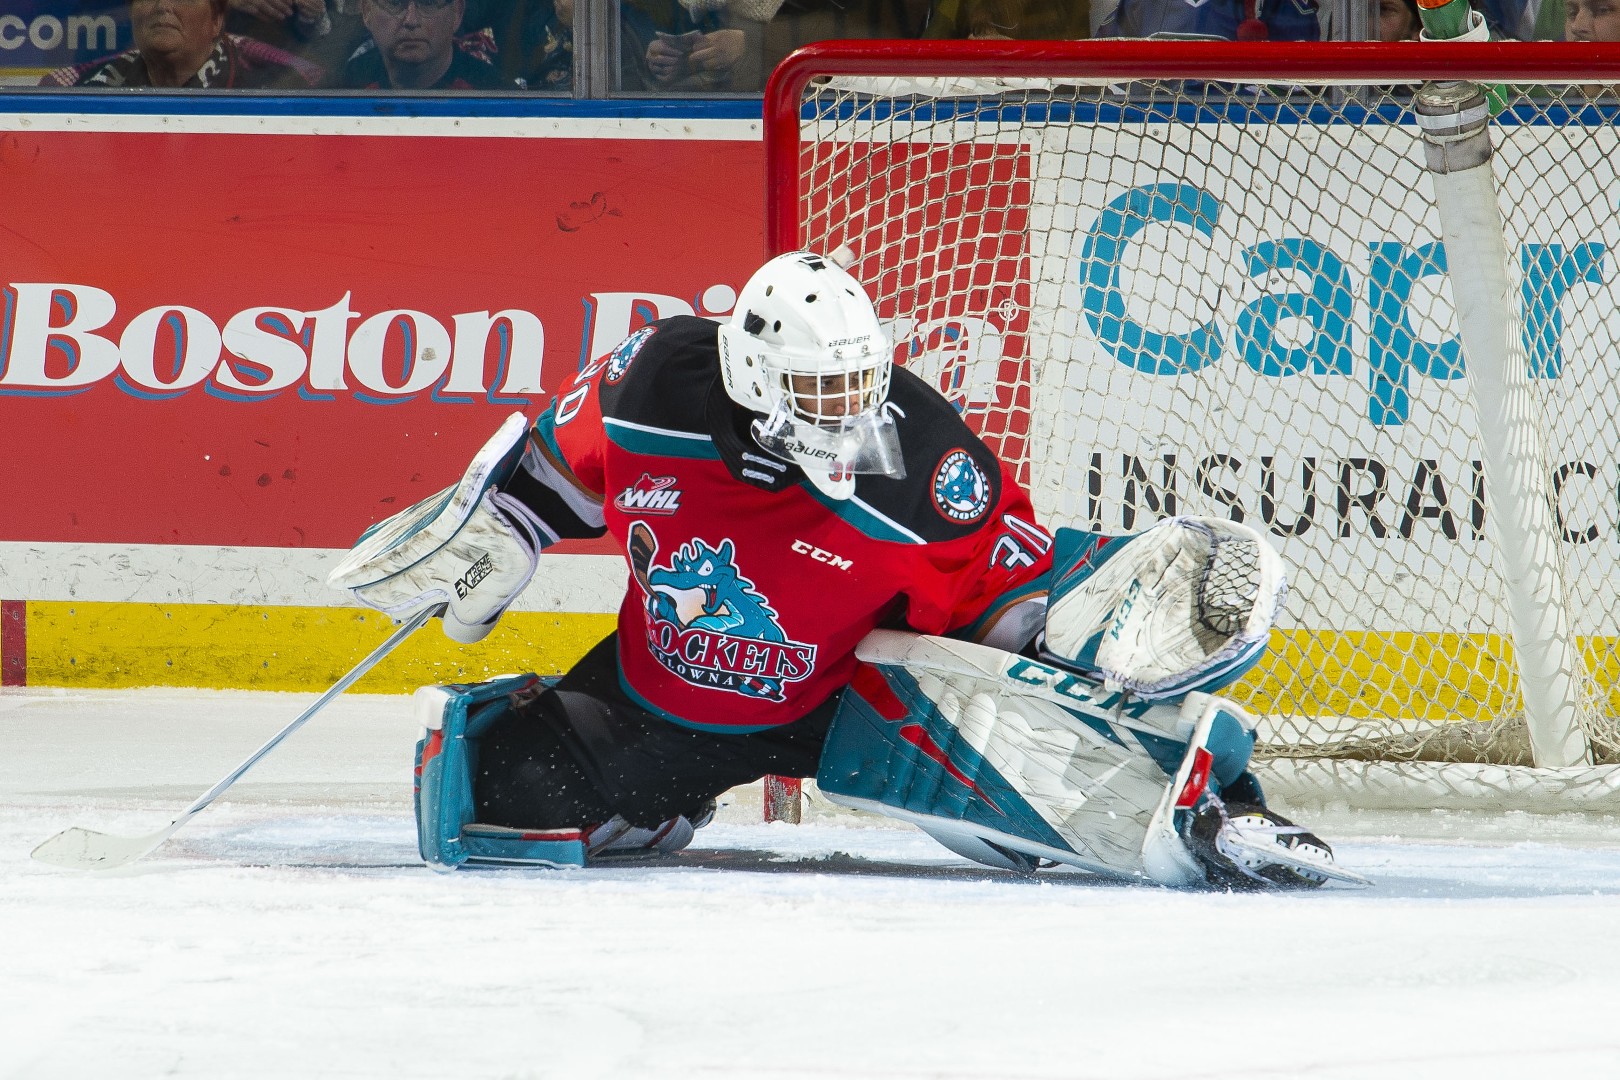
(289, 931)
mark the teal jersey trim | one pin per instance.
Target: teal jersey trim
(545, 426)
(864, 519)
(661, 442)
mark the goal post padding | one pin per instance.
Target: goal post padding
(1221, 278)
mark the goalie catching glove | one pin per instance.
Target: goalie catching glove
(1187, 605)
(469, 550)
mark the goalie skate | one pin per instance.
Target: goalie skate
(1250, 847)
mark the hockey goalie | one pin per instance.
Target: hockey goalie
(831, 576)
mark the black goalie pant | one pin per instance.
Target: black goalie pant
(583, 751)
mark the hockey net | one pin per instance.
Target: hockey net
(1192, 278)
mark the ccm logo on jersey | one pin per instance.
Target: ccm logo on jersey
(821, 556)
(650, 495)
(477, 572)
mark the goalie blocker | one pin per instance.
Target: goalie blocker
(467, 551)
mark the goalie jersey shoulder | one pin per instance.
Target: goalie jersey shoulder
(953, 482)
(661, 375)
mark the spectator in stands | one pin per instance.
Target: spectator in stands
(783, 25)
(533, 39)
(1592, 20)
(1230, 20)
(550, 59)
(731, 45)
(1524, 20)
(1398, 20)
(414, 46)
(283, 23)
(701, 45)
(182, 43)
(324, 32)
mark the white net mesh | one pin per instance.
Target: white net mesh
(1232, 301)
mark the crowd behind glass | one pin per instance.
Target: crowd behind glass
(649, 47)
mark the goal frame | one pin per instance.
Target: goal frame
(1325, 63)
(1126, 60)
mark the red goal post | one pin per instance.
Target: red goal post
(1212, 278)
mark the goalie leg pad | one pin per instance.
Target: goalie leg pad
(456, 719)
(999, 777)
(1006, 760)
(470, 549)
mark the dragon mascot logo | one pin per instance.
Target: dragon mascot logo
(710, 626)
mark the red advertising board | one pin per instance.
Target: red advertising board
(277, 339)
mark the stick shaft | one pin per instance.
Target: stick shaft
(405, 630)
(84, 849)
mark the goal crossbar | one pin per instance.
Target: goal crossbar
(1327, 63)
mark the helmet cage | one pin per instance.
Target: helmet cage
(826, 388)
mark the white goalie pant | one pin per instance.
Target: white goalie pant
(1008, 761)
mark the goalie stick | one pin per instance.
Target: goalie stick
(86, 849)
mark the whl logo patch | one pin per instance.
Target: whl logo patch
(650, 495)
(708, 625)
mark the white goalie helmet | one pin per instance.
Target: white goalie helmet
(805, 349)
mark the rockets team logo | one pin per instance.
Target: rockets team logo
(625, 351)
(961, 490)
(708, 624)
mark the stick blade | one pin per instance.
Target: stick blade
(85, 849)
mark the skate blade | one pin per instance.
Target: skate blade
(1266, 851)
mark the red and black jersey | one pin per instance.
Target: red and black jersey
(750, 588)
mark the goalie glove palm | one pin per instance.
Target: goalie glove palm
(1187, 605)
(470, 549)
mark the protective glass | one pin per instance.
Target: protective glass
(865, 444)
(397, 7)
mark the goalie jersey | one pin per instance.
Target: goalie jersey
(749, 588)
